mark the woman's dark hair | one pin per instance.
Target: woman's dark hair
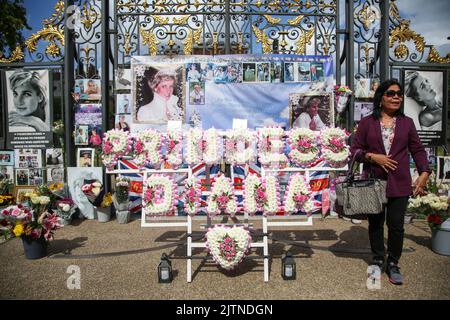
(384, 86)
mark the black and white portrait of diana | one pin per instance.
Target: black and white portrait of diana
(28, 100)
(424, 98)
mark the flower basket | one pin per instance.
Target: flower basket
(34, 248)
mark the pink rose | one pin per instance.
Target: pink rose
(107, 147)
(139, 147)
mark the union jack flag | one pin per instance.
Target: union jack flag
(136, 184)
(199, 171)
(319, 181)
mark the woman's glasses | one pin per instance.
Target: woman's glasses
(392, 93)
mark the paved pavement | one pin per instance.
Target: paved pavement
(119, 261)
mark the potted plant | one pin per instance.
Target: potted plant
(104, 210)
(65, 208)
(436, 209)
(121, 200)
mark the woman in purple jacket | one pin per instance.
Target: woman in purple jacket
(382, 142)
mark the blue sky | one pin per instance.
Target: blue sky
(429, 18)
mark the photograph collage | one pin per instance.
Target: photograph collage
(88, 122)
(123, 83)
(32, 167)
(364, 93)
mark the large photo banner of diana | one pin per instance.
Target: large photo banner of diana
(29, 108)
(425, 101)
(209, 92)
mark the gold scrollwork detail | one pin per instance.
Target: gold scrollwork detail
(127, 43)
(58, 15)
(401, 51)
(368, 15)
(303, 41)
(53, 49)
(16, 55)
(192, 38)
(272, 20)
(296, 20)
(434, 56)
(403, 33)
(149, 39)
(262, 37)
(182, 20)
(49, 33)
(161, 19)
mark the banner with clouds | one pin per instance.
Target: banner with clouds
(212, 91)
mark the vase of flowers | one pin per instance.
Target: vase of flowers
(35, 226)
(436, 208)
(65, 208)
(104, 210)
(121, 200)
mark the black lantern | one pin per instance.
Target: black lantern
(288, 267)
(165, 270)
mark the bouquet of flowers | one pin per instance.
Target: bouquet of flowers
(107, 200)
(65, 208)
(192, 194)
(120, 197)
(94, 191)
(342, 95)
(19, 221)
(435, 207)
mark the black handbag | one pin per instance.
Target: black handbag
(360, 197)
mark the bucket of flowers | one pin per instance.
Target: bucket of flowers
(65, 208)
(436, 209)
(35, 225)
(121, 200)
(104, 210)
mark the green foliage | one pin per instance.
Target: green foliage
(13, 19)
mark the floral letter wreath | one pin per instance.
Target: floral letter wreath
(174, 143)
(192, 195)
(222, 197)
(147, 148)
(298, 195)
(270, 147)
(228, 246)
(160, 195)
(116, 144)
(335, 150)
(194, 146)
(239, 147)
(261, 194)
(212, 147)
(304, 151)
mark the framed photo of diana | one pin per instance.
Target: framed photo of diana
(315, 112)
(158, 93)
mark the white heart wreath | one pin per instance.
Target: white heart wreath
(228, 246)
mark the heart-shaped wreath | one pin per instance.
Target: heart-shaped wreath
(228, 245)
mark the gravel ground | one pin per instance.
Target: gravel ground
(119, 262)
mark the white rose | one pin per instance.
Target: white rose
(65, 207)
(35, 200)
(44, 200)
